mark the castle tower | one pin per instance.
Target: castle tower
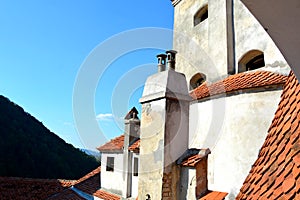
(217, 38)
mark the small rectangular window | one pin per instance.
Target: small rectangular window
(135, 166)
(110, 164)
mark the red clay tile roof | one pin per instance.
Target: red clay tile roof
(241, 81)
(276, 172)
(213, 195)
(192, 161)
(67, 183)
(28, 188)
(192, 156)
(135, 147)
(117, 144)
(106, 195)
(114, 144)
(31, 189)
(90, 183)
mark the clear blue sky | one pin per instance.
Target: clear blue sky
(44, 43)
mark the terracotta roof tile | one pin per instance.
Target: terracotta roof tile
(31, 189)
(28, 188)
(236, 82)
(276, 172)
(117, 144)
(135, 147)
(192, 161)
(213, 195)
(90, 183)
(106, 195)
(114, 144)
(192, 156)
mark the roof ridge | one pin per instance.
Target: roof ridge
(89, 175)
(240, 81)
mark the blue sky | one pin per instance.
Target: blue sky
(43, 45)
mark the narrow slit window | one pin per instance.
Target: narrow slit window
(135, 167)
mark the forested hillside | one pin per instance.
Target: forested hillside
(29, 149)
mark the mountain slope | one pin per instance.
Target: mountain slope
(29, 149)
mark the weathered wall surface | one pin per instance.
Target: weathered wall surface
(234, 129)
(190, 42)
(164, 133)
(201, 48)
(151, 149)
(217, 38)
(113, 181)
(208, 46)
(176, 131)
(250, 35)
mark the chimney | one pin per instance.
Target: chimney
(161, 62)
(164, 132)
(171, 55)
(132, 134)
(132, 127)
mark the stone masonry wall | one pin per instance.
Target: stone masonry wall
(167, 190)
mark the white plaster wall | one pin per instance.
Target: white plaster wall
(135, 178)
(217, 39)
(112, 181)
(202, 48)
(250, 35)
(234, 128)
(191, 192)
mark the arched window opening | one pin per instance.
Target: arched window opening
(201, 15)
(197, 80)
(253, 59)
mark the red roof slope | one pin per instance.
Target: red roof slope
(28, 188)
(276, 172)
(117, 144)
(135, 147)
(106, 195)
(246, 80)
(192, 156)
(114, 144)
(212, 195)
(90, 183)
(192, 161)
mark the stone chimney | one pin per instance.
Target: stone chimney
(171, 55)
(132, 133)
(161, 62)
(164, 131)
(132, 127)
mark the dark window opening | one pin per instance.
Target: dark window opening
(197, 80)
(256, 62)
(110, 164)
(201, 15)
(252, 60)
(135, 167)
